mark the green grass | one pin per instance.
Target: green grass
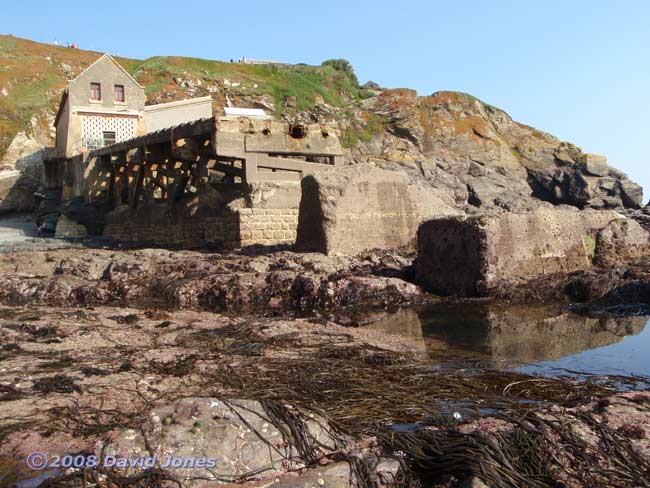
(280, 81)
(375, 125)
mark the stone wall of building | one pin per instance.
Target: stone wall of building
(230, 230)
(476, 255)
(268, 226)
(363, 207)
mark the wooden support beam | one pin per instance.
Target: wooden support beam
(135, 160)
(118, 177)
(187, 149)
(111, 193)
(137, 187)
(172, 182)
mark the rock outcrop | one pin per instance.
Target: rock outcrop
(479, 153)
(21, 166)
(477, 255)
(364, 207)
(621, 239)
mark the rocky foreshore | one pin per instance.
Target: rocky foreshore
(271, 401)
(238, 357)
(281, 283)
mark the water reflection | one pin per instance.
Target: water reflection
(513, 334)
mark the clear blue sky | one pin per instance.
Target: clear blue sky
(577, 69)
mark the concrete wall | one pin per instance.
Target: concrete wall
(363, 207)
(164, 115)
(474, 256)
(62, 130)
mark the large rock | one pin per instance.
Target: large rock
(242, 438)
(66, 227)
(364, 207)
(622, 239)
(21, 166)
(476, 255)
(17, 191)
(88, 218)
(454, 130)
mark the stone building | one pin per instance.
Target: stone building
(101, 106)
(105, 105)
(175, 173)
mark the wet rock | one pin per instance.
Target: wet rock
(48, 212)
(244, 439)
(189, 279)
(69, 228)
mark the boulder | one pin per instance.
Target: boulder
(590, 183)
(17, 192)
(66, 227)
(364, 207)
(620, 240)
(84, 215)
(595, 165)
(476, 255)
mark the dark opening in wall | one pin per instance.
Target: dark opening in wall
(297, 131)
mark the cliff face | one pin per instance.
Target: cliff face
(485, 158)
(473, 155)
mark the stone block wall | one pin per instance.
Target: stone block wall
(217, 231)
(267, 226)
(230, 230)
(476, 255)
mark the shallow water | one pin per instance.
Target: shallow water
(532, 339)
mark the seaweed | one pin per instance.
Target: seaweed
(59, 383)
(363, 392)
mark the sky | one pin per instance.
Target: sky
(579, 70)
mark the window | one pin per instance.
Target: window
(95, 91)
(109, 138)
(119, 93)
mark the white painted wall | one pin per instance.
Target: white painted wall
(164, 115)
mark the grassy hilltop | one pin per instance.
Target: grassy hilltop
(33, 74)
